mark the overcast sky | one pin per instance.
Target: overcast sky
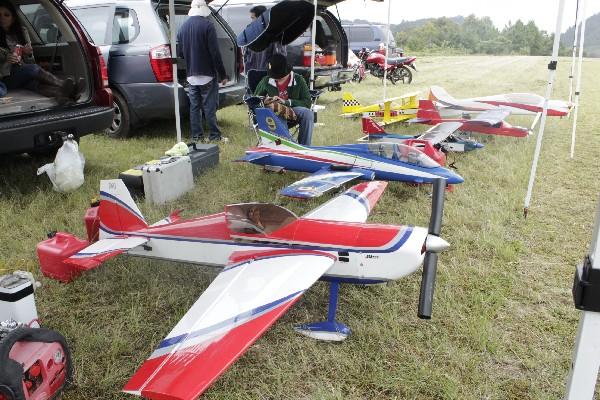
(543, 12)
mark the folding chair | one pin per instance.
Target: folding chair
(253, 77)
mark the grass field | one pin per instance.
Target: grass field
(503, 324)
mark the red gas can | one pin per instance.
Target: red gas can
(92, 224)
(53, 251)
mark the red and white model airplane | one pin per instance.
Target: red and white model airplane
(514, 103)
(489, 122)
(270, 257)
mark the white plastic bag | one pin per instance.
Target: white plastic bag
(66, 172)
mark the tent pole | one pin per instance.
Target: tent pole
(578, 85)
(387, 50)
(577, 22)
(312, 55)
(172, 28)
(551, 74)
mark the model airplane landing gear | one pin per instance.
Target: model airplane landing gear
(330, 330)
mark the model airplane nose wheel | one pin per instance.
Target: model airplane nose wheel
(432, 246)
(330, 330)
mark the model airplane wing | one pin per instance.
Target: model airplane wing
(354, 205)
(324, 180)
(440, 132)
(491, 117)
(243, 301)
(104, 249)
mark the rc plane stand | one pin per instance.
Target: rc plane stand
(330, 330)
(586, 295)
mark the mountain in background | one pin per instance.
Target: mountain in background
(591, 47)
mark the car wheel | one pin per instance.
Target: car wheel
(121, 124)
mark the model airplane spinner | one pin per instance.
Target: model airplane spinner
(490, 122)
(332, 166)
(440, 136)
(514, 103)
(270, 257)
(389, 111)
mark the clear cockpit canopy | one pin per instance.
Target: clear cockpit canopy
(402, 152)
(257, 218)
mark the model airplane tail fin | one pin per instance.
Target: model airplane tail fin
(427, 111)
(269, 123)
(118, 212)
(350, 104)
(371, 127)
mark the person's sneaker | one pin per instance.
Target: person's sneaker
(200, 139)
(220, 139)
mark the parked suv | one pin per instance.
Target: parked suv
(332, 58)
(32, 123)
(368, 36)
(134, 37)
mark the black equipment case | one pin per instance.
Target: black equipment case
(203, 156)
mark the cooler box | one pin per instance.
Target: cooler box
(203, 156)
(168, 180)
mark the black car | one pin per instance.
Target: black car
(331, 64)
(134, 38)
(33, 123)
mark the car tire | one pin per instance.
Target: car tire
(121, 125)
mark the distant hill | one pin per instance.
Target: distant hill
(591, 47)
(407, 25)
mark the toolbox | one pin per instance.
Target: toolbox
(202, 157)
(168, 180)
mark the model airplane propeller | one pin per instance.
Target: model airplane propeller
(270, 257)
(440, 136)
(332, 166)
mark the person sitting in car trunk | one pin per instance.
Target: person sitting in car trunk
(288, 96)
(17, 65)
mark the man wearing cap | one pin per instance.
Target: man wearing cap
(283, 86)
(198, 45)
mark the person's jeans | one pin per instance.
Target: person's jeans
(306, 120)
(22, 76)
(204, 99)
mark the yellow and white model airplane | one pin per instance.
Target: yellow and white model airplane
(389, 111)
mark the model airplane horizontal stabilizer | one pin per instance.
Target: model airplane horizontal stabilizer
(104, 249)
(323, 181)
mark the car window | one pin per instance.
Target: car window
(41, 21)
(125, 26)
(237, 17)
(360, 33)
(94, 21)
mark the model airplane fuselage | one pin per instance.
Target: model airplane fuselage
(514, 103)
(332, 166)
(270, 257)
(489, 122)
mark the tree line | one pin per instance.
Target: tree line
(474, 35)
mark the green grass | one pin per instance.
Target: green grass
(503, 324)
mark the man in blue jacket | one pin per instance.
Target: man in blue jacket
(198, 45)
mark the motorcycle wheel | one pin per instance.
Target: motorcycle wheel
(403, 74)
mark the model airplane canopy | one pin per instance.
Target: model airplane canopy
(284, 22)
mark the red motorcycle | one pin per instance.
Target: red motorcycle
(397, 67)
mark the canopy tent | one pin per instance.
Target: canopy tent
(551, 74)
(575, 104)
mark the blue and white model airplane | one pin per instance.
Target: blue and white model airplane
(332, 166)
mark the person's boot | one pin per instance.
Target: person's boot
(67, 86)
(52, 91)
